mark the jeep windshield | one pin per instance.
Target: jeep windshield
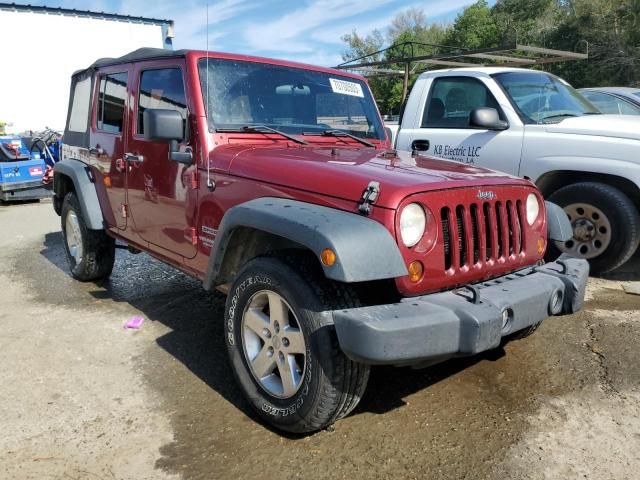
(543, 98)
(243, 94)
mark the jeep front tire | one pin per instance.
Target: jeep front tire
(283, 347)
(90, 253)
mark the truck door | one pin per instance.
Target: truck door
(161, 191)
(108, 137)
(444, 129)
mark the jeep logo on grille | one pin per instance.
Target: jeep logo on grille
(486, 195)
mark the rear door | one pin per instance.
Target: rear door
(108, 137)
(443, 128)
(161, 191)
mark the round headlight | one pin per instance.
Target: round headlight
(533, 208)
(413, 222)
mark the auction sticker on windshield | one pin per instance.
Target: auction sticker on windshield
(346, 88)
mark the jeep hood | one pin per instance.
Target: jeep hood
(614, 126)
(346, 172)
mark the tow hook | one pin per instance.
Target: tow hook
(369, 196)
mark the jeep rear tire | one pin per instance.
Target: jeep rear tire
(605, 222)
(283, 348)
(90, 253)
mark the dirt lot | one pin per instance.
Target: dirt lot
(83, 398)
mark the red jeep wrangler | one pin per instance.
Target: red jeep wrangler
(274, 182)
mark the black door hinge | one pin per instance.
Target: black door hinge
(369, 196)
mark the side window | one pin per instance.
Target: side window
(627, 108)
(605, 103)
(111, 102)
(162, 89)
(80, 107)
(452, 100)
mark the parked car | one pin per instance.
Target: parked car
(535, 125)
(278, 188)
(614, 100)
(21, 173)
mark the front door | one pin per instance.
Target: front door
(445, 128)
(160, 190)
(108, 138)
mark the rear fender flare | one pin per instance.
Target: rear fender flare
(83, 181)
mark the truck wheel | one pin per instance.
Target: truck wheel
(90, 253)
(284, 350)
(606, 225)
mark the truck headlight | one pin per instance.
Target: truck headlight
(413, 222)
(533, 208)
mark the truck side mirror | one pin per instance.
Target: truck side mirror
(162, 125)
(487, 118)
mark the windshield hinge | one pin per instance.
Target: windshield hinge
(369, 196)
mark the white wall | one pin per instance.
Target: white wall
(39, 52)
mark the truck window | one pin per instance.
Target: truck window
(111, 101)
(543, 98)
(452, 100)
(164, 89)
(80, 106)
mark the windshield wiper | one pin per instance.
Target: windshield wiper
(262, 129)
(342, 133)
(559, 115)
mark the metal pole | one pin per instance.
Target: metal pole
(405, 86)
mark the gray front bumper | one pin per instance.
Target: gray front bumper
(461, 322)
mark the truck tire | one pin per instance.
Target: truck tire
(605, 222)
(284, 351)
(90, 253)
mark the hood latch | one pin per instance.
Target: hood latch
(369, 196)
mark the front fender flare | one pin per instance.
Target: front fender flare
(365, 249)
(558, 225)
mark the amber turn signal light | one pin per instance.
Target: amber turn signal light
(541, 246)
(328, 257)
(415, 271)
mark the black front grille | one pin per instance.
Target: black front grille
(477, 233)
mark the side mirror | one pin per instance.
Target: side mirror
(487, 118)
(166, 126)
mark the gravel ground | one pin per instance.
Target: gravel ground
(83, 398)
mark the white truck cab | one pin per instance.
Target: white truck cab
(535, 125)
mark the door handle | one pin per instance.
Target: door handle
(420, 145)
(130, 157)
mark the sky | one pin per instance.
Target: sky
(304, 30)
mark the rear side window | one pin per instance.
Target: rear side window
(111, 102)
(80, 106)
(162, 89)
(610, 104)
(452, 100)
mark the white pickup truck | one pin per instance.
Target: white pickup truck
(535, 125)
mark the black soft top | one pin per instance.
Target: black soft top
(136, 55)
(80, 135)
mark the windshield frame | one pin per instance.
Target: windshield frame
(526, 119)
(371, 114)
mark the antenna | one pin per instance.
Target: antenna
(210, 184)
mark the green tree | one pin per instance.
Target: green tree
(408, 26)
(475, 28)
(2, 127)
(610, 29)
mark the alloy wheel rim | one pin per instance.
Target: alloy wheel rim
(74, 237)
(273, 344)
(591, 231)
